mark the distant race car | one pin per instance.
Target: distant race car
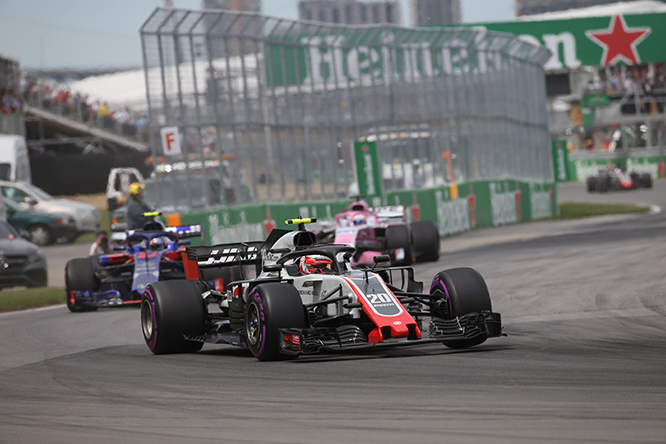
(383, 230)
(148, 256)
(306, 299)
(616, 179)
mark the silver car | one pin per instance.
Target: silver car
(86, 216)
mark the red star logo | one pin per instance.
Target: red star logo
(619, 42)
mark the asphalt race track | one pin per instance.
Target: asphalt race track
(584, 359)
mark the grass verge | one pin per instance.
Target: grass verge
(576, 210)
(25, 298)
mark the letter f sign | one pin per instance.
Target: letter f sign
(170, 140)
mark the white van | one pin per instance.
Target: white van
(14, 159)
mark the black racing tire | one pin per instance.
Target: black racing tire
(40, 234)
(635, 179)
(592, 184)
(79, 276)
(603, 184)
(272, 306)
(646, 180)
(397, 236)
(463, 291)
(170, 309)
(425, 241)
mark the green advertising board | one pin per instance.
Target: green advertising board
(595, 100)
(629, 39)
(560, 159)
(454, 208)
(368, 173)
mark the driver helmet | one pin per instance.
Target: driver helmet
(359, 219)
(316, 264)
(157, 243)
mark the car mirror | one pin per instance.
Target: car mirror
(272, 267)
(118, 248)
(381, 258)
(30, 201)
(183, 243)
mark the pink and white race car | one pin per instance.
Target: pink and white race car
(384, 230)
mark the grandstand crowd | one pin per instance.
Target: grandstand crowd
(59, 99)
(645, 83)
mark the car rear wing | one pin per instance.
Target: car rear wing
(187, 231)
(221, 255)
(390, 212)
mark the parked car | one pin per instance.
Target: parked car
(22, 263)
(28, 196)
(39, 228)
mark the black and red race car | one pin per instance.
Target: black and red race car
(617, 179)
(305, 298)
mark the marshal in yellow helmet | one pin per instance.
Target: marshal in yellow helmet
(136, 188)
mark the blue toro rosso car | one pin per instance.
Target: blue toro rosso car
(149, 255)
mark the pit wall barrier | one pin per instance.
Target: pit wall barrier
(454, 208)
(579, 169)
(579, 166)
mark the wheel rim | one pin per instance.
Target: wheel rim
(147, 319)
(253, 324)
(447, 302)
(39, 235)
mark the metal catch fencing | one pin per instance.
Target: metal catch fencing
(268, 109)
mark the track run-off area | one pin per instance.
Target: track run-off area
(584, 313)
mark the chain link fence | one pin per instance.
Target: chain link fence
(268, 109)
(11, 120)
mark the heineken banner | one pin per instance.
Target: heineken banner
(371, 54)
(593, 41)
(368, 173)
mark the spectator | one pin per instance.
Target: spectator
(419, 179)
(101, 244)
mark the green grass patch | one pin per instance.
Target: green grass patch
(574, 210)
(25, 298)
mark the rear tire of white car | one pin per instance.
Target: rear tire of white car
(170, 309)
(462, 291)
(646, 180)
(425, 241)
(397, 237)
(270, 307)
(79, 276)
